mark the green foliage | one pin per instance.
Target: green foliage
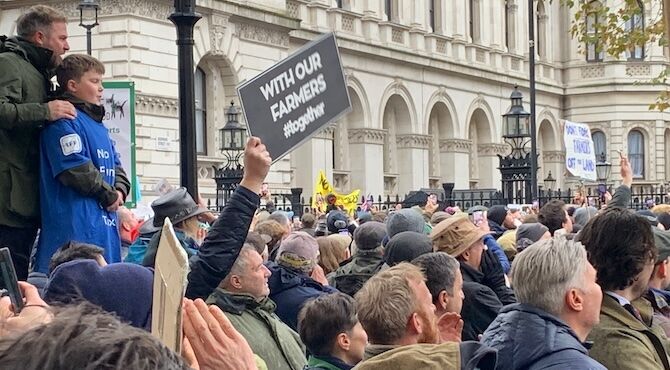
(614, 34)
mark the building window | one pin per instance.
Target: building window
(635, 25)
(510, 25)
(200, 111)
(594, 52)
(339, 3)
(388, 7)
(431, 14)
(541, 24)
(474, 20)
(599, 144)
(636, 153)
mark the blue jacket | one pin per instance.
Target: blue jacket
(290, 290)
(528, 338)
(492, 244)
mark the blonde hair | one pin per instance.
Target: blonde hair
(386, 302)
(332, 251)
(660, 209)
(273, 229)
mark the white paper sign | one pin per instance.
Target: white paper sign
(580, 156)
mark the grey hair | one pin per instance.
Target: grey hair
(38, 18)
(241, 263)
(440, 270)
(280, 217)
(544, 272)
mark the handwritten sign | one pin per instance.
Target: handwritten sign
(290, 102)
(170, 279)
(580, 157)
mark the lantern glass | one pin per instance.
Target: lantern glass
(227, 140)
(524, 125)
(512, 125)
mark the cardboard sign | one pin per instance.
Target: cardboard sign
(170, 279)
(580, 157)
(290, 102)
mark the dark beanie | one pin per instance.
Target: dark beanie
(369, 235)
(497, 214)
(532, 231)
(125, 289)
(664, 218)
(406, 246)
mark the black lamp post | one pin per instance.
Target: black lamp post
(516, 168)
(233, 136)
(603, 168)
(184, 18)
(88, 19)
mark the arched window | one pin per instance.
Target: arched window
(200, 111)
(594, 52)
(635, 25)
(636, 152)
(599, 144)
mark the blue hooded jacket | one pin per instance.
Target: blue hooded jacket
(290, 290)
(528, 338)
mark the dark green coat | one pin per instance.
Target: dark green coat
(24, 88)
(269, 338)
(622, 342)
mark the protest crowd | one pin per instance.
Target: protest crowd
(432, 287)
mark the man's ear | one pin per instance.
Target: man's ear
(125, 226)
(415, 324)
(574, 300)
(236, 282)
(342, 340)
(38, 38)
(442, 300)
(466, 255)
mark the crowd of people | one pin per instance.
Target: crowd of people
(432, 287)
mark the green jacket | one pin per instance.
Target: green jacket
(269, 338)
(24, 88)
(621, 342)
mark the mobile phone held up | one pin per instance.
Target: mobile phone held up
(477, 218)
(9, 281)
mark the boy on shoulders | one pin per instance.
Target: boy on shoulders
(82, 183)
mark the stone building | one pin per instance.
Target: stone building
(428, 80)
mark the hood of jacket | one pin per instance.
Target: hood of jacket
(284, 278)
(523, 335)
(38, 56)
(236, 303)
(497, 229)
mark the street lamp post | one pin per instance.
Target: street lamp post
(516, 168)
(184, 18)
(531, 68)
(233, 136)
(88, 19)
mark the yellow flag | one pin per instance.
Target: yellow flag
(322, 188)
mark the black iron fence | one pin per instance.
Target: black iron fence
(642, 197)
